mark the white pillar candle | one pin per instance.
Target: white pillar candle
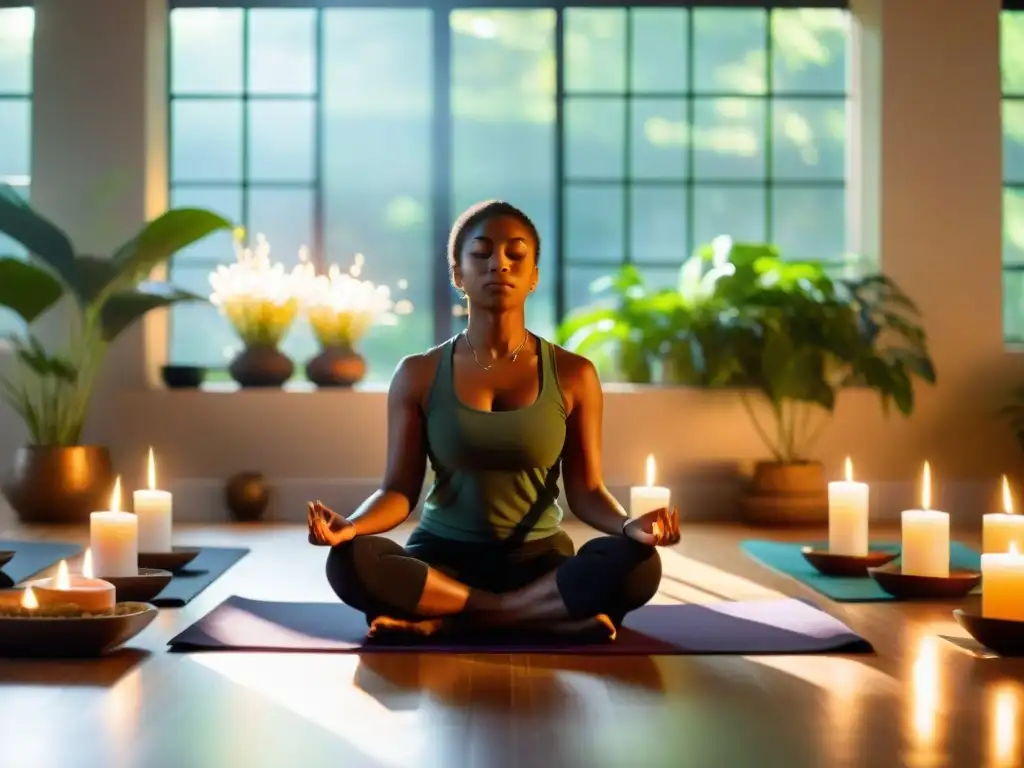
(1001, 529)
(645, 498)
(925, 550)
(1002, 585)
(848, 516)
(114, 539)
(154, 511)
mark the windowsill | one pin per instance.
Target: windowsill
(376, 388)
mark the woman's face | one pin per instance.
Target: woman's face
(497, 267)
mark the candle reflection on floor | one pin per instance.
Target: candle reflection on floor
(1005, 705)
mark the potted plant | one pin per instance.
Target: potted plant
(55, 478)
(261, 302)
(789, 338)
(341, 308)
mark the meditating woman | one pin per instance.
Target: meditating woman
(499, 412)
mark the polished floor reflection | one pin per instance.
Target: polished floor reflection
(929, 697)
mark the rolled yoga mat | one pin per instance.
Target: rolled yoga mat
(31, 558)
(757, 627)
(209, 565)
(785, 557)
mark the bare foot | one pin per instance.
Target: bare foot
(386, 625)
(599, 625)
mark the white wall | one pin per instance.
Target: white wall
(927, 173)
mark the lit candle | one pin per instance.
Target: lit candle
(644, 498)
(153, 508)
(1000, 529)
(925, 549)
(1002, 585)
(114, 539)
(848, 515)
(89, 594)
(28, 600)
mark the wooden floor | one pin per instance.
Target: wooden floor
(921, 701)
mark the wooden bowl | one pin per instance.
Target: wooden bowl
(1003, 636)
(142, 588)
(898, 584)
(831, 564)
(172, 561)
(6, 556)
(64, 637)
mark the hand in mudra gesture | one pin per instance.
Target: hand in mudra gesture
(326, 527)
(657, 528)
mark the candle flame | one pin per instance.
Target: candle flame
(926, 487)
(849, 470)
(63, 580)
(115, 497)
(152, 470)
(28, 599)
(650, 470)
(87, 564)
(1007, 498)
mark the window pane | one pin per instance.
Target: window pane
(226, 201)
(206, 50)
(206, 140)
(16, 145)
(285, 217)
(377, 172)
(498, 101)
(17, 26)
(1013, 226)
(1012, 51)
(729, 138)
(659, 139)
(809, 50)
(810, 223)
(594, 138)
(735, 211)
(578, 281)
(281, 139)
(658, 227)
(1013, 306)
(729, 50)
(595, 50)
(659, 50)
(594, 223)
(282, 51)
(809, 139)
(200, 335)
(1013, 141)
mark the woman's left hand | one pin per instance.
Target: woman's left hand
(657, 528)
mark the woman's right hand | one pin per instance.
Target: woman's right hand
(326, 527)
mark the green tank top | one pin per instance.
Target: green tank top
(496, 472)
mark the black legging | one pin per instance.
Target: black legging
(611, 575)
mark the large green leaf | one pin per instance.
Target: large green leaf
(123, 308)
(162, 238)
(43, 239)
(26, 289)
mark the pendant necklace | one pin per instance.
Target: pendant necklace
(514, 355)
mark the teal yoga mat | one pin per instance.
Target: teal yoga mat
(785, 557)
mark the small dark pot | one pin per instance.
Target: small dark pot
(59, 484)
(336, 367)
(247, 495)
(261, 367)
(182, 376)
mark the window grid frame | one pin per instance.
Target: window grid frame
(1008, 97)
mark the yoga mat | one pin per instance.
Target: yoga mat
(756, 627)
(785, 557)
(32, 557)
(209, 565)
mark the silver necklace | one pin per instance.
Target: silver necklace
(515, 352)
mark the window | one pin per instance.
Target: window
(629, 134)
(16, 30)
(1012, 64)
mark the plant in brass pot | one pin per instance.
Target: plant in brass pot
(55, 478)
(341, 308)
(634, 333)
(261, 301)
(790, 338)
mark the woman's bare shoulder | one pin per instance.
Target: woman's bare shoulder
(415, 373)
(577, 375)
